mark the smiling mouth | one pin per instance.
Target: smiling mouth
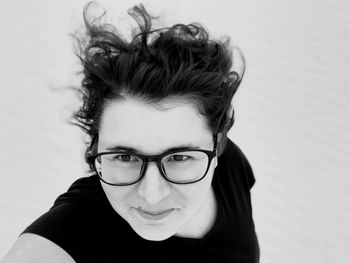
(154, 215)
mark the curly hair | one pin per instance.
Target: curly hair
(156, 65)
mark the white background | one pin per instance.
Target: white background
(291, 113)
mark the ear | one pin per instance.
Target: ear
(215, 161)
(218, 145)
(230, 111)
(219, 137)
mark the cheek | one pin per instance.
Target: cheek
(195, 194)
(118, 196)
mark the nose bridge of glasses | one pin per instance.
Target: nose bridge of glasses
(153, 159)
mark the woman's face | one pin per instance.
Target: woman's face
(151, 131)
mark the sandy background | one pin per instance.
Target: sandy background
(291, 114)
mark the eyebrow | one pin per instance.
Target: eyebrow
(131, 149)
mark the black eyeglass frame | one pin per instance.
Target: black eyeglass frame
(154, 158)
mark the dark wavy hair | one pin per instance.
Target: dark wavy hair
(177, 62)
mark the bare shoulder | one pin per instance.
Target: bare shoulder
(34, 248)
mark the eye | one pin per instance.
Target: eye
(125, 158)
(179, 158)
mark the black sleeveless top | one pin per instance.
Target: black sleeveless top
(85, 225)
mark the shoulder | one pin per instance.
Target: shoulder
(232, 151)
(85, 190)
(71, 214)
(72, 222)
(30, 248)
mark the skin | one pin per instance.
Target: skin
(151, 130)
(31, 248)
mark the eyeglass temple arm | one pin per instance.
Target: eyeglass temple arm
(215, 141)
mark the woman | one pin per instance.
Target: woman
(166, 183)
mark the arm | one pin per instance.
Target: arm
(30, 248)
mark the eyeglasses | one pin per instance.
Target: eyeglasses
(121, 168)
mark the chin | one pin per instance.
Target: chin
(155, 237)
(153, 233)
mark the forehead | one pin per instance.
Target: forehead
(151, 127)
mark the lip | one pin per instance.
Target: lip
(154, 216)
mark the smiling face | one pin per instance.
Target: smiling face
(155, 208)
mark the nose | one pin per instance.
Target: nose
(153, 187)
